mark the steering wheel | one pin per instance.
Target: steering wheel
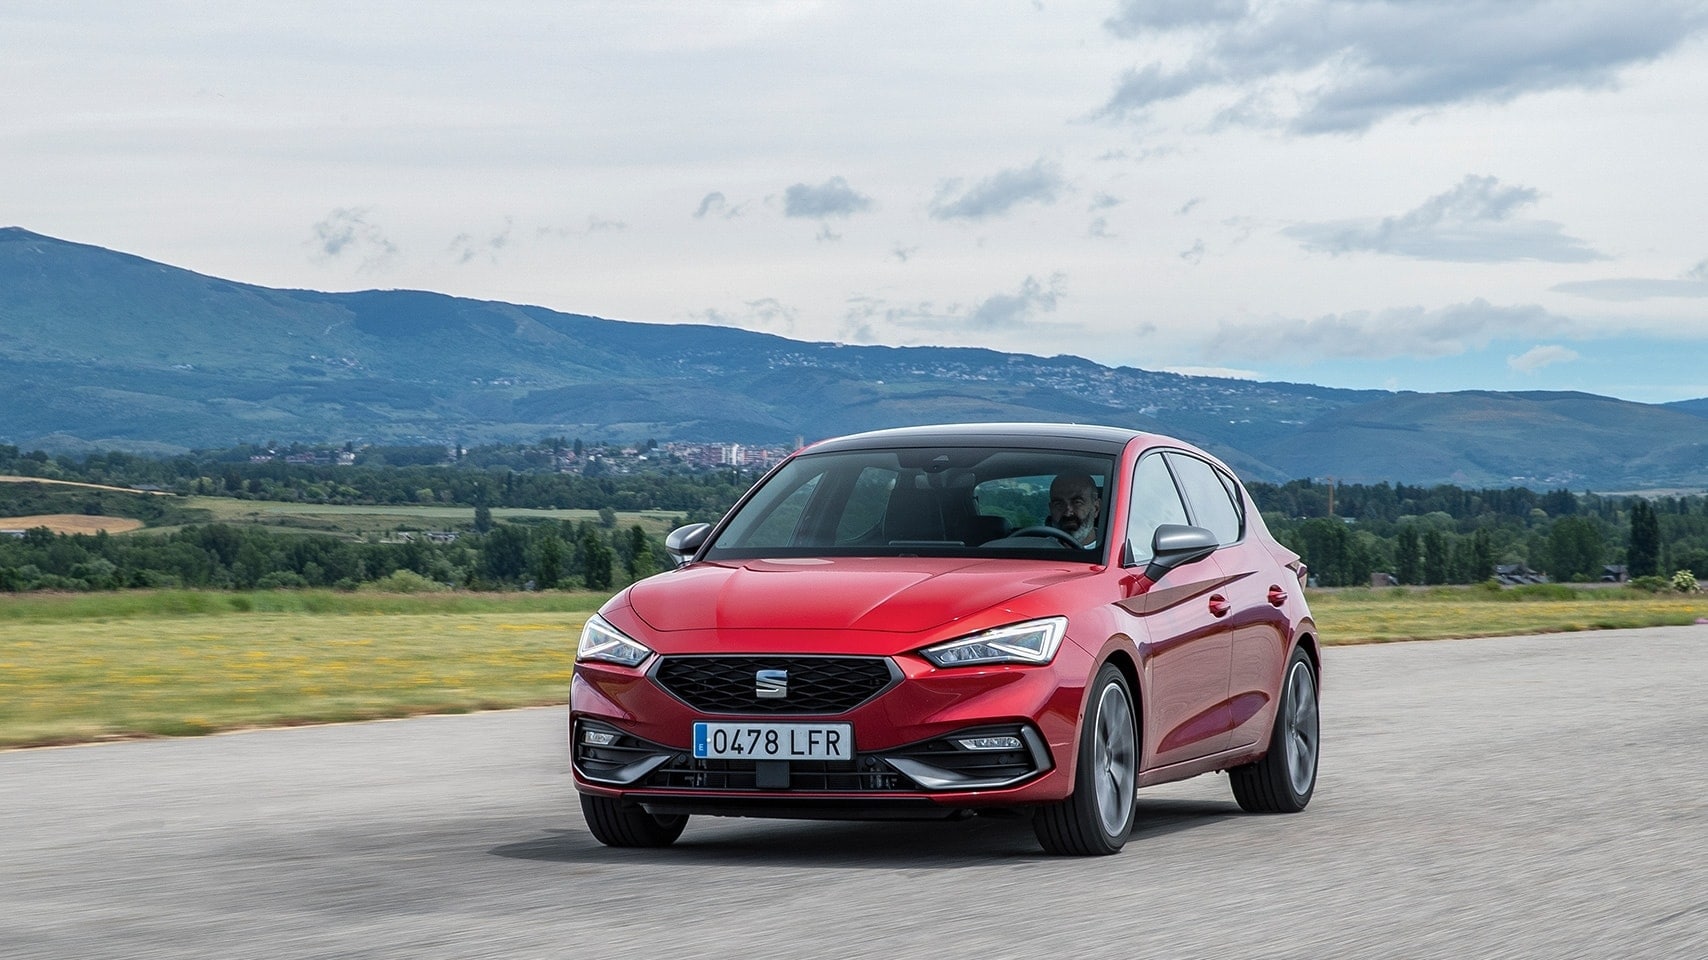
(1054, 533)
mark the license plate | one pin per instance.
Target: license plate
(774, 741)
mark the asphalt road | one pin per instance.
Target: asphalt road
(1524, 797)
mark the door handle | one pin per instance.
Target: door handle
(1277, 596)
(1219, 605)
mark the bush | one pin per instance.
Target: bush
(1651, 584)
(281, 580)
(407, 581)
(1684, 581)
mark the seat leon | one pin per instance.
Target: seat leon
(940, 621)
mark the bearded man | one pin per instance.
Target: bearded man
(1074, 505)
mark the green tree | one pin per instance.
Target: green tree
(548, 560)
(596, 557)
(638, 561)
(1643, 554)
(1482, 556)
(1575, 549)
(504, 553)
(1408, 556)
(482, 518)
(1435, 557)
(1335, 558)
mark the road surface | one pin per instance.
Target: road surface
(1519, 797)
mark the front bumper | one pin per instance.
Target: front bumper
(605, 755)
(909, 760)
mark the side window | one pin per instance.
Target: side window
(1155, 502)
(864, 511)
(1212, 506)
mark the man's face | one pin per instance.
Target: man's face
(1073, 506)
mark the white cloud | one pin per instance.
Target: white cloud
(833, 198)
(1138, 17)
(999, 312)
(1340, 66)
(1474, 222)
(1012, 309)
(714, 204)
(1223, 373)
(1538, 357)
(1388, 334)
(465, 247)
(766, 313)
(999, 193)
(1693, 283)
(346, 234)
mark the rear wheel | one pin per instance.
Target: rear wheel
(617, 824)
(1283, 781)
(1096, 818)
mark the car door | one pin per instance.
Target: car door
(1185, 646)
(1252, 595)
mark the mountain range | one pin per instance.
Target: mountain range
(100, 348)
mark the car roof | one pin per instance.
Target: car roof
(1068, 436)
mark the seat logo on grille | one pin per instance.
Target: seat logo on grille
(771, 684)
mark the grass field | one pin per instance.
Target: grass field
(94, 667)
(9, 478)
(364, 519)
(85, 667)
(71, 523)
(1378, 616)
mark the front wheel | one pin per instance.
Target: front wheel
(617, 824)
(1283, 781)
(1096, 818)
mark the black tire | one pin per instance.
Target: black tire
(617, 824)
(1283, 781)
(1096, 818)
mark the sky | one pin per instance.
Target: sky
(1404, 194)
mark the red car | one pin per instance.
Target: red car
(938, 621)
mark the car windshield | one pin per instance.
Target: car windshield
(938, 501)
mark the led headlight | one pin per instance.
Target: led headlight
(1034, 642)
(601, 641)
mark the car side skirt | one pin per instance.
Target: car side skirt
(1210, 764)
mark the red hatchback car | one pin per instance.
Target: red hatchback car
(937, 621)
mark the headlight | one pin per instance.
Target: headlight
(1033, 643)
(601, 641)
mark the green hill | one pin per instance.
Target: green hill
(106, 348)
(1479, 438)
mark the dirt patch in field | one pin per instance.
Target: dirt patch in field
(74, 483)
(71, 523)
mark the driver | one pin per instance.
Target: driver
(1074, 503)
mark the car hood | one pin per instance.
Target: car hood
(895, 595)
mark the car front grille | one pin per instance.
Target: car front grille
(815, 685)
(865, 774)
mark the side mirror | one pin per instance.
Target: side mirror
(1176, 545)
(684, 542)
